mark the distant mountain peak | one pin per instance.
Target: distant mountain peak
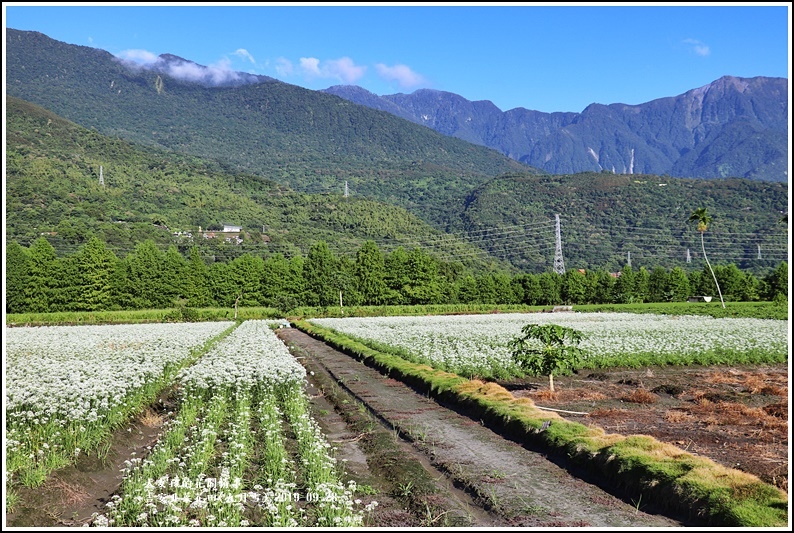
(189, 71)
(702, 133)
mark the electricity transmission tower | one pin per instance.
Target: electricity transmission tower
(101, 177)
(559, 265)
(347, 192)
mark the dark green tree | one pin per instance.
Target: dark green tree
(245, 273)
(658, 280)
(603, 287)
(573, 287)
(467, 289)
(678, 287)
(486, 289)
(196, 286)
(424, 282)
(369, 274)
(530, 288)
(174, 275)
(96, 265)
(145, 286)
(66, 289)
(641, 280)
(549, 288)
(320, 272)
(775, 285)
(623, 291)
(503, 288)
(223, 288)
(17, 273)
(396, 276)
(41, 276)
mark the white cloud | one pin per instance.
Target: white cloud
(242, 52)
(141, 57)
(311, 66)
(217, 73)
(345, 70)
(284, 66)
(402, 74)
(700, 48)
(342, 69)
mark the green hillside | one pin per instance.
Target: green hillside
(307, 140)
(53, 188)
(608, 219)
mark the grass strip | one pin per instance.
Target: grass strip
(638, 466)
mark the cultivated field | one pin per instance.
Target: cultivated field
(236, 444)
(477, 345)
(221, 460)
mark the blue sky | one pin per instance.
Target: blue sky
(548, 58)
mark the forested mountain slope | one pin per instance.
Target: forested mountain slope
(53, 188)
(609, 220)
(307, 140)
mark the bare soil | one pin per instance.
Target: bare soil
(736, 416)
(429, 466)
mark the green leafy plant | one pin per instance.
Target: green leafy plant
(553, 356)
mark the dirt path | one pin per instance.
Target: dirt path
(520, 487)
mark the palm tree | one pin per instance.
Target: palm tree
(702, 217)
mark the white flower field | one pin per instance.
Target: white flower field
(477, 345)
(68, 387)
(241, 449)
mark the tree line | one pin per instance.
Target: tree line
(94, 279)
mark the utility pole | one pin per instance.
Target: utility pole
(688, 256)
(759, 251)
(559, 265)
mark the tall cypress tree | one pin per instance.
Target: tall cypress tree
(96, 265)
(424, 282)
(320, 273)
(145, 281)
(17, 273)
(369, 271)
(196, 286)
(396, 276)
(246, 275)
(41, 276)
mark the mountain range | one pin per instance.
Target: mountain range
(732, 127)
(239, 149)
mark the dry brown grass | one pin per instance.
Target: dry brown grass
(546, 395)
(676, 416)
(640, 396)
(730, 377)
(574, 395)
(70, 494)
(151, 419)
(778, 410)
(736, 414)
(773, 390)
